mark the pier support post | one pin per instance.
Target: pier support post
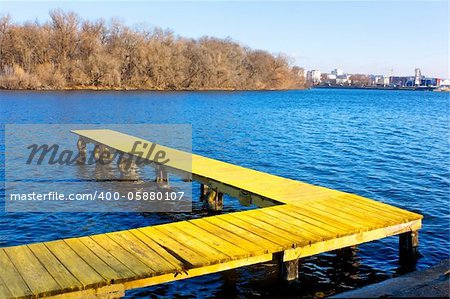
(102, 154)
(81, 145)
(213, 200)
(346, 252)
(230, 278)
(287, 270)
(408, 248)
(126, 165)
(203, 191)
(161, 175)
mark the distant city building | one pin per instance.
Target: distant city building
(417, 77)
(444, 83)
(337, 72)
(401, 81)
(378, 80)
(338, 78)
(313, 76)
(343, 79)
(431, 82)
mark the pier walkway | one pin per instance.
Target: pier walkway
(295, 220)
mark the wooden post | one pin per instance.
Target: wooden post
(230, 278)
(287, 271)
(161, 175)
(102, 154)
(81, 145)
(408, 247)
(203, 191)
(346, 252)
(126, 165)
(213, 200)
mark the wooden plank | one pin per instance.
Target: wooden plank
(272, 227)
(35, 275)
(331, 224)
(109, 274)
(355, 211)
(140, 250)
(108, 258)
(346, 217)
(58, 271)
(252, 248)
(245, 233)
(4, 291)
(324, 219)
(283, 222)
(264, 233)
(317, 215)
(189, 257)
(379, 206)
(122, 255)
(213, 255)
(316, 228)
(11, 277)
(75, 264)
(158, 249)
(233, 251)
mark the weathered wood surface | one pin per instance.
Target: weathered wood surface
(307, 220)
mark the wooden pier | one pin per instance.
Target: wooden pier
(295, 220)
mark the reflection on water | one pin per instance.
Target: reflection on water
(386, 145)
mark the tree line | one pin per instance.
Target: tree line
(69, 52)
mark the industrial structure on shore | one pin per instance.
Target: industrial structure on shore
(337, 78)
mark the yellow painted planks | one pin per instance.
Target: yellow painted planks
(82, 271)
(142, 252)
(231, 250)
(33, 273)
(58, 271)
(109, 274)
(187, 256)
(123, 270)
(12, 279)
(123, 255)
(235, 239)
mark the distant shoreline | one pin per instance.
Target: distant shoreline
(425, 88)
(100, 89)
(91, 88)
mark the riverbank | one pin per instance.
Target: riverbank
(432, 282)
(412, 88)
(103, 88)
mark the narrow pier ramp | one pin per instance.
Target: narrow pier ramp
(295, 220)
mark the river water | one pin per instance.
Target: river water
(392, 146)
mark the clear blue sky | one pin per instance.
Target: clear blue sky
(357, 37)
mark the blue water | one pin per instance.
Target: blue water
(392, 146)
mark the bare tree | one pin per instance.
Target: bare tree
(69, 52)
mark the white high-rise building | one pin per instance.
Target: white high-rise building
(315, 76)
(417, 76)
